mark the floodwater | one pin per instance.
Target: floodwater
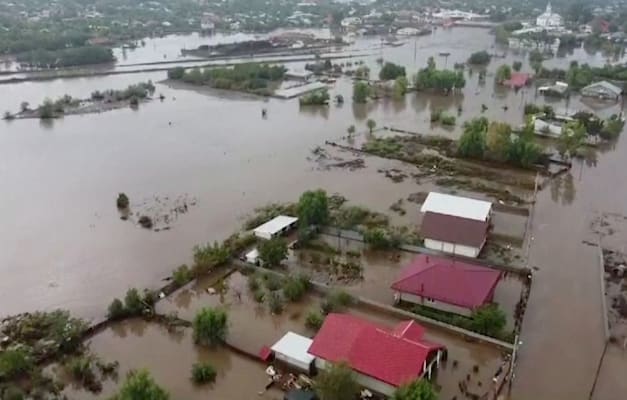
(244, 314)
(216, 148)
(169, 357)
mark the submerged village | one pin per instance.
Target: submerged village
(324, 200)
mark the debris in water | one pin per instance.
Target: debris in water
(145, 221)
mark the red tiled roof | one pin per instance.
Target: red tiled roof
(449, 281)
(517, 80)
(394, 356)
(456, 230)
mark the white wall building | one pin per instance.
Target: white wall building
(292, 350)
(549, 19)
(275, 227)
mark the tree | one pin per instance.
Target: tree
(336, 382)
(362, 72)
(498, 139)
(361, 92)
(371, 123)
(209, 256)
(400, 86)
(24, 106)
(479, 58)
(535, 56)
(473, 141)
(419, 389)
(122, 202)
(391, 71)
(210, 326)
(272, 252)
(116, 309)
(351, 130)
(488, 320)
(139, 385)
(503, 73)
(517, 66)
(313, 208)
(571, 139)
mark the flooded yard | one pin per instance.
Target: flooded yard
(169, 357)
(253, 326)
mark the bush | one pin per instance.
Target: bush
(253, 283)
(182, 275)
(447, 120)
(203, 373)
(122, 201)
(14, 363)
(259, 296)
(488, 320)
(314, 320)
(294, 289)
(116, 309)
(273, 282)
(436, 115)
(176, 73)
(318, 97)
(531, 109)
(210, 326)
(379, 238)
(336, 301)
(275, 303)
(361, 92)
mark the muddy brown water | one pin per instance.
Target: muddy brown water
(63, 244)
(252, 326)
(169, 358)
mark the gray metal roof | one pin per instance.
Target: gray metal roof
(605, 85)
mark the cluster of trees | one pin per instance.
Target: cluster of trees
(479, 58)
(66, 57)
(254, 77)
(362, 72)
(318, 97)
(441, 80)
(138, 91)
(578, 76)
(391, 71)
(135, 304)
(496, 141)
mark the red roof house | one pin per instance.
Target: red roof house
(446, 284)
(517, 80)
(382, 358)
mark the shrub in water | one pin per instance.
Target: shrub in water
(203, 373)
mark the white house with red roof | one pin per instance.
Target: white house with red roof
(446, 284)
(383, 358)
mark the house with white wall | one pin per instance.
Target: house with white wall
(454, 224)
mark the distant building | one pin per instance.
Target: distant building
(602, 90)
(447, 285)
(456, 225)
(206, 23)
(549, 19)
(559, 89)
(517, 80)
(381, 357)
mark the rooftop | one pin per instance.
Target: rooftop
(275, 225)
(457, 206)
(394, 356)
(294, 346)
(449, 281)
(517, 80)
(457, 230)
(605, 85)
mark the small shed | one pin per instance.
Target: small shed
(275, 227)
(292, 349)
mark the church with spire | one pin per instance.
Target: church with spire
(549, 19)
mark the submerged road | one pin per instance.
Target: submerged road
(563, 333)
